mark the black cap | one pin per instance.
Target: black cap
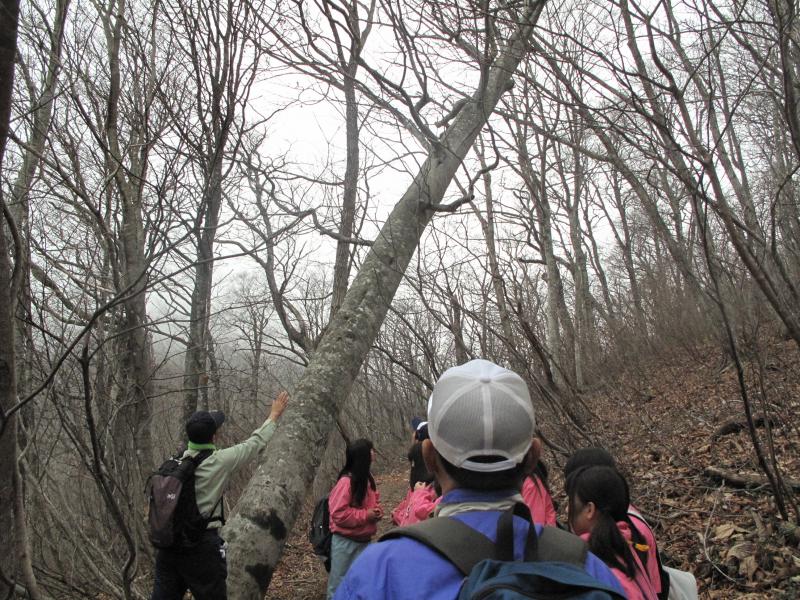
(202, 425)
(415, 421)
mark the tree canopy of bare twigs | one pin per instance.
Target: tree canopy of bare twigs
(206, 202)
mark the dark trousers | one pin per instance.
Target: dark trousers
(202, 570)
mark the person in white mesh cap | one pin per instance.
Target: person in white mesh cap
(481, 425)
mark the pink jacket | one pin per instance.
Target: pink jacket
(351, 521)
(539, 501)
(652, 560)
(416, 506)
(638, 587)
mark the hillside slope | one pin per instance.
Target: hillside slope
(674, 426)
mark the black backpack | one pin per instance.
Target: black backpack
(553, 567)
(174, 521)
(319, 534)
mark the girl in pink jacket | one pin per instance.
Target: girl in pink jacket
(417, 506)
(597, 511)
(537, 497)
(355, 509)
(644, 540)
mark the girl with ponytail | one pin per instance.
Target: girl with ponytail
(598, 502)
(643, 536)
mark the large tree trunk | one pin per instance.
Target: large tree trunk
(195, 378)
(132, 424)
(271, 502)
(9, 16)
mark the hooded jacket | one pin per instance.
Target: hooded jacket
(405, 569)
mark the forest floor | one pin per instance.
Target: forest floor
(665, 425)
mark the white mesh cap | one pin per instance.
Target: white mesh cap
(480, 409)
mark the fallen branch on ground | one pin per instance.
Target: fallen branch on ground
(735, 426)
(745, 480)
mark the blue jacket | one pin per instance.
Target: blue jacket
(404, 569)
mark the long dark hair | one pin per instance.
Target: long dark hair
(608, 490)
(358, 459)
(542, 473)
(600, 457)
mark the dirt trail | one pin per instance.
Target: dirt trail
(300, 574)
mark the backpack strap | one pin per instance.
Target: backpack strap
(557, 545)
(662, 573)
(664, 576)
(221, 518)
(505, 534)
(456, 541)
(465, 547)
(199, 458)
(639, 547)
(550, 545)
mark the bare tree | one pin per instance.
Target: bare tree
(220, 42)
(267, 508)
(11, 507)
(41, 102)
(350, 36)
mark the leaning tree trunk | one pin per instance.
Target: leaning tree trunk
(270, 503)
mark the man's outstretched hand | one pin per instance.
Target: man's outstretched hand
(279, 405)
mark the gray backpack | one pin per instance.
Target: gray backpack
(174, 521)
